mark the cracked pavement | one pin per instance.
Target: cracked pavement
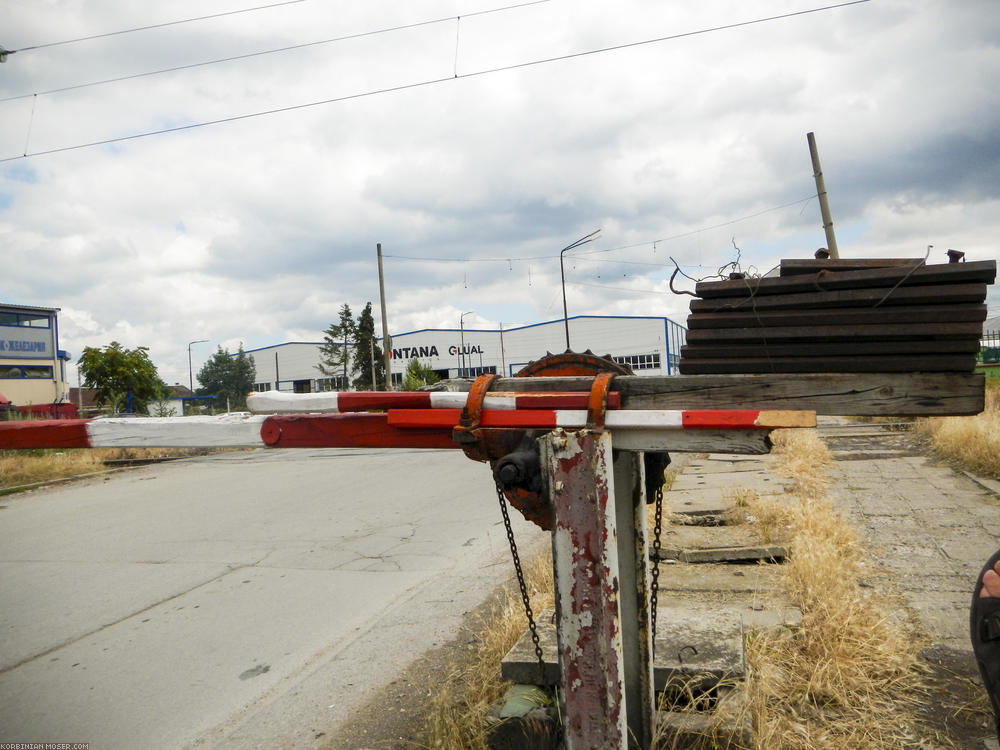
(238, 600)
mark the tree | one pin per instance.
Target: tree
(228, 377)
(418, 375)
(118, 373)
(335, 353)
(365, 350)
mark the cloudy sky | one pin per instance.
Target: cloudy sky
(474, 141)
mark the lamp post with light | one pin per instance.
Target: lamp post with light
(190, 371)
(562, 274)
(461, 325)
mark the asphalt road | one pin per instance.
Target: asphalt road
(241, 600)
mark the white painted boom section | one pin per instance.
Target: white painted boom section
(229, 431)
(276, 402)
(651, 419)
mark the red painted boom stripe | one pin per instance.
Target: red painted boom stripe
(446, 419)
(57, 433)
(561, 400)
(375, 400)
(720, 419)
(348, 431)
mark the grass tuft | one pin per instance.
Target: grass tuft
(973, 443)
(457, 716)
(23, 467)
(849, 677)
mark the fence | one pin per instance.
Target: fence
(989, 350)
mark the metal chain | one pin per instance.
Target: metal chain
(520, 582)
(655, 584)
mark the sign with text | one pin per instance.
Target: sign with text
(22, 342)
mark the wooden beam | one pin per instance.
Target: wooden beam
(850, 394)
(900, 331)
(884, 296)
(797, 266)
(969, 345)
(983, 271)
(958, 363)
(910, 315)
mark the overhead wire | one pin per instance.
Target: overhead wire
(152, 26)
(579, 255)
(432, 81)
(277, 50)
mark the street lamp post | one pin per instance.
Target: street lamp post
(461, 325)
(190, 372)
(562, 274)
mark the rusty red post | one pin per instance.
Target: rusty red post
(604, 667)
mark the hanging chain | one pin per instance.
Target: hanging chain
(520, 582)
(655, 584)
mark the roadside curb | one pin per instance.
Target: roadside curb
(990, 485)
(139, 463)
(64, 480)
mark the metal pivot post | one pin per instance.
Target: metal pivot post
(600, 561)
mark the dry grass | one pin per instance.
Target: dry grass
(849, 677)
(23, 467)
(457, 717)
(970, 442)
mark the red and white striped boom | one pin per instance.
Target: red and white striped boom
(403, 420)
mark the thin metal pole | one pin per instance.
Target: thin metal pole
(464, 361)
(503, 362)
(190, 371)
(824, 204)
(386, 341)
(562, 276)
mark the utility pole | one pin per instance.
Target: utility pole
(824, 204)
(386, 341)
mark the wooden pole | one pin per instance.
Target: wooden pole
(824, 204)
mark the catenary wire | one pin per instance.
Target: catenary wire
(577, 256)
(276, 50)
(153, 26)
(430, 82)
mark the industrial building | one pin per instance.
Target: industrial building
(32, 366)
(649, 345)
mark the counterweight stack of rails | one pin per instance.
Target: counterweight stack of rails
(838, 316)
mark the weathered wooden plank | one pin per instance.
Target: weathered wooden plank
(983, 271)
(833, 333)
(896, 363)
(909, 314)
(969, 345)
(942, 294)
(798, 266)
(852, 394)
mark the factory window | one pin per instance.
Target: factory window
(475, 372)
(26, 320)
(261, 387)
(338, 383)
(21, 372)
(640, 361)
